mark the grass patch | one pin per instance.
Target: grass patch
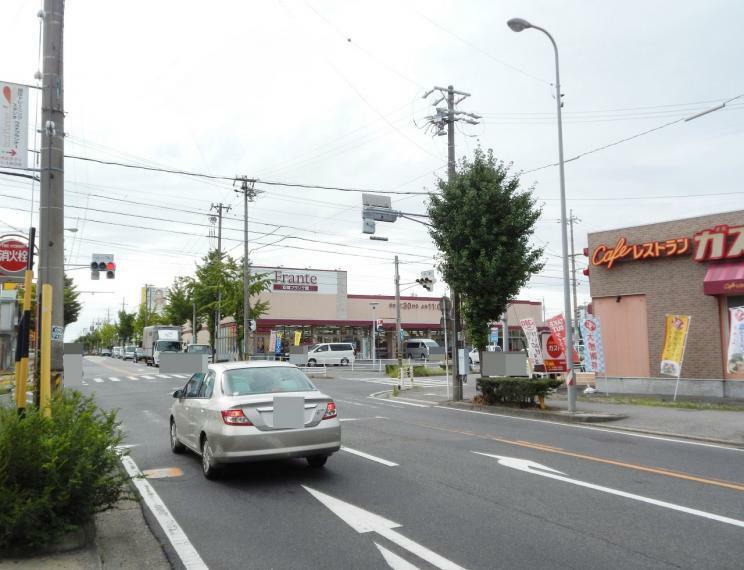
(659, 403)
(392, 371)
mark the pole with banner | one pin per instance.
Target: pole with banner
(13, 125)
(735, 353)
(591, 332)
(675, 342)
(534, 350)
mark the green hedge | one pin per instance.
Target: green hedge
(512, 390)
(391, 370)
(55, 473)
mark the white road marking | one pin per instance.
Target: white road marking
(394, 561)
(537, 469)
(391, 405)
(364, 521)
(178, 539)
(350, 402)
(133, 377)
(99, 380)
(114, 379)
(84, 383)
(148, 377)
(401, 401)
(368, 456)
(349, 419)
(180, 375)
(162, 376)
(593, 428)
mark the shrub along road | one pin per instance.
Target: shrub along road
(467, 489)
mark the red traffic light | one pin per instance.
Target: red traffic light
(111, 266)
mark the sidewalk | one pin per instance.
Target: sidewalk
(724, 427)
(123, 541)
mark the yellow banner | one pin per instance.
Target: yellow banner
(675, 340)
(297, 338)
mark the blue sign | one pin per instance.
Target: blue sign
(494, 338)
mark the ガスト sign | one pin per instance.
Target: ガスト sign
(720, 242)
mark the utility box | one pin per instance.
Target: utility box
(72, 361)
(504, 364)
(298, 355)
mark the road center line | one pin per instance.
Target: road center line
(634, 466)
(368, 456)
(178, 539)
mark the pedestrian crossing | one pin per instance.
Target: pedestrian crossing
(137, 378)
(424, 382)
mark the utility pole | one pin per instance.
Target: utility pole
(51, 203)
(193, 324)
(220, 208)
(446, 117)
(571, 221)
(398, 352)
(247, 188)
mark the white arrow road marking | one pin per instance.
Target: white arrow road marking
(181, 544)
(394, 561)
(364, 521)
(368, 456)
(538, 469)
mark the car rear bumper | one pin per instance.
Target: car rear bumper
(237, 444)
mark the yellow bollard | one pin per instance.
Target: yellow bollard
(46, 350)
(21, 377)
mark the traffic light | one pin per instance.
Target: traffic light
(102, 262)
(110, 270)
(426, 283)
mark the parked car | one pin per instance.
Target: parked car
(128, 353)
(331, 353)
(199, 349)
(474, 354)
(139, 354)
(105, 352)
(253, 411)
(418, 347)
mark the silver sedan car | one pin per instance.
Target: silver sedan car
(253, 411)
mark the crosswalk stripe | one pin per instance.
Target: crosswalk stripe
(148, 377)
(163, 376)
(114, 379)
(99, 380)
(133, 377)
(180, 375)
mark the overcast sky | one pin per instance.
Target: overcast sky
(330, 93)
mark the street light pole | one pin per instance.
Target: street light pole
(374, 332)
(518, 25)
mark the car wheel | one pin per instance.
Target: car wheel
(344, 362)
(317, 461)
(176, 446)
(311, 362)
(209, 467)
(410, 356)
(471, 361)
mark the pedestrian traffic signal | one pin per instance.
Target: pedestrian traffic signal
(110, 270)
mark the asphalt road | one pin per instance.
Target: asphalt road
(592, 498)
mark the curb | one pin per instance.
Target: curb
(726, 442)
(564, 417)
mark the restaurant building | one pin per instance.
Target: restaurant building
(316, 304)
(692, 267)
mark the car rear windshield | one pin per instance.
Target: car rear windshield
(265, 380)
(198, 348)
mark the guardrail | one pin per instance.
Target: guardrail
(321, 370)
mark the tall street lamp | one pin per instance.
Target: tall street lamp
(517, 25)
(373, 338)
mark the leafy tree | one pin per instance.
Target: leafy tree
(107, 334)
(180, 301)
(145, 318)
(482, 222)
(72, 305)
(126, 326)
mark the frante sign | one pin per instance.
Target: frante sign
(294, 282)
(718, 243)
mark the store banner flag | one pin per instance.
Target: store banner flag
(591, 332)
(278, 346)
(297, 338)
(557, 325)
(675, 340)
(735, 356)
(13, 125)
(533, 341)
(272, 342)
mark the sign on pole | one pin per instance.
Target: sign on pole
(13, 257)
(534, 349)
(13, 125)
(591, 332)
(494, 336)
(675, 340)
(735, 356)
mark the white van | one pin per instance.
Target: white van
(331, 353)
(418, 347)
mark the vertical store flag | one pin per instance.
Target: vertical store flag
(272, 342)
(557, 325)
(533, 341)
(591, 332)
(297, 338)
(278, 346)
(675, 340)
(13, 125)
(735, 356)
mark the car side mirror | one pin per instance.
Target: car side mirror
(177, 394)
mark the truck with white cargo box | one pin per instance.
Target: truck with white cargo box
(157, 339)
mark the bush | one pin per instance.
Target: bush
(515, 390)
(391, 370)
(55, 473)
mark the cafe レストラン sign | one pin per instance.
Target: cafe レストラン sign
(718, 243)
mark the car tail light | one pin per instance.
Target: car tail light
(235, 418)
(330, 411)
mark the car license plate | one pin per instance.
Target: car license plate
(289, 412)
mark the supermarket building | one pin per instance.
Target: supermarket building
(638, 275)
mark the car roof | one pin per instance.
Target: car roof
(224, 366)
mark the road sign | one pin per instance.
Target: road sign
(13, 256)
(58, 333)
(252, 325)
(13, 125)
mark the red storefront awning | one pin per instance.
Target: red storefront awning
(724, 279)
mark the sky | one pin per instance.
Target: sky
(326, 92)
